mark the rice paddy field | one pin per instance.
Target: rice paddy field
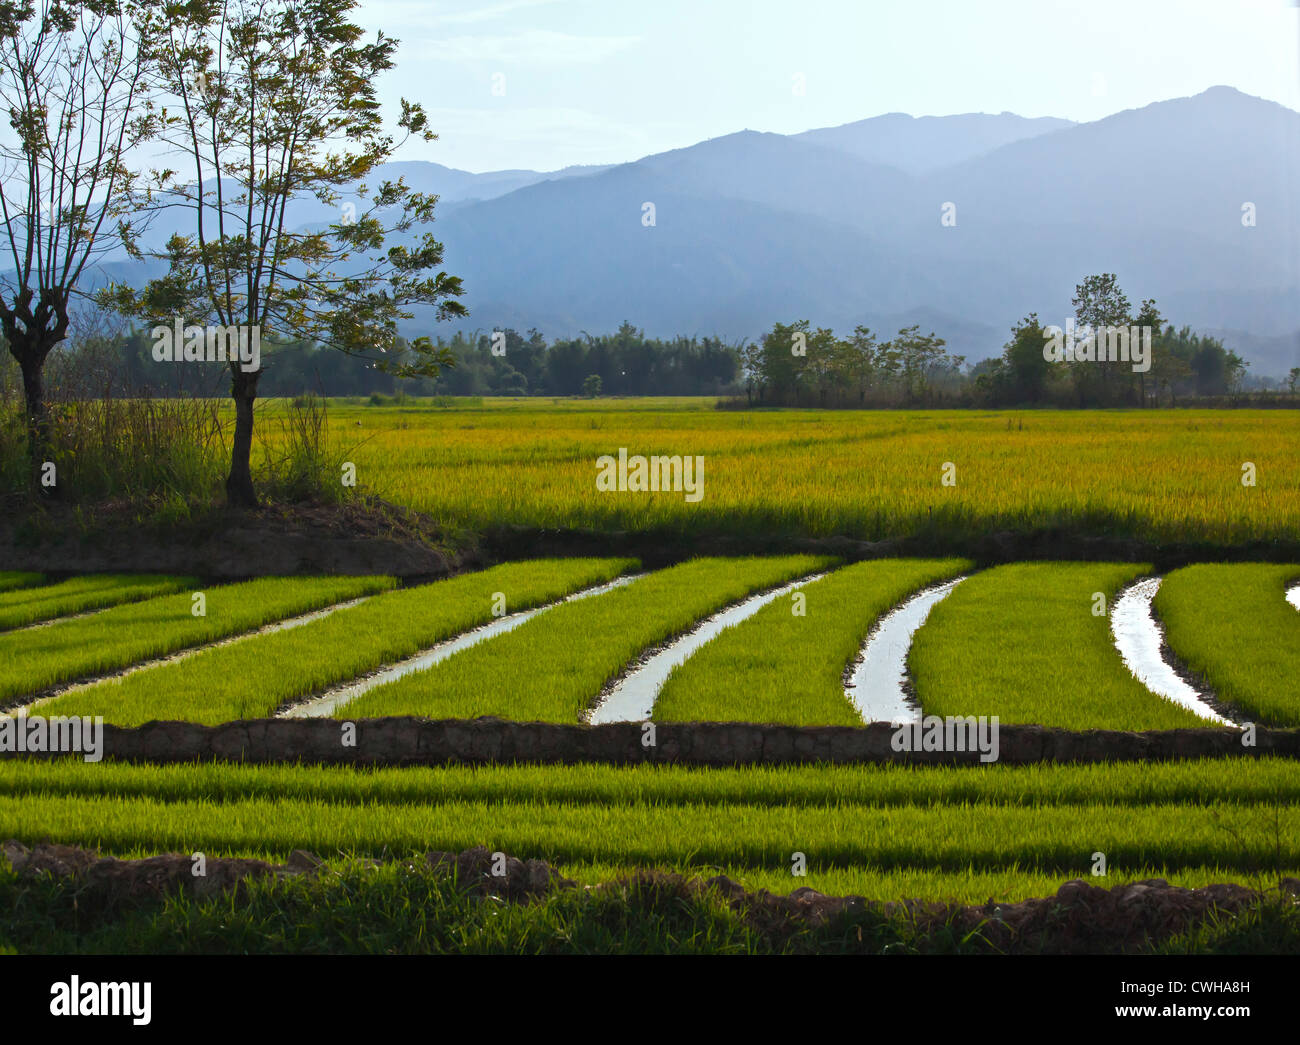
(801, 640)
(1159, 475)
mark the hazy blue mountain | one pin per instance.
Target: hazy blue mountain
(1154, 194)
(919, 144)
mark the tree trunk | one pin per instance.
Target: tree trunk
(239, 483)
(38, 424)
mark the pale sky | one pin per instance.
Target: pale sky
(605, 81)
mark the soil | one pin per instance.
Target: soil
(355, 538)
(493, 741)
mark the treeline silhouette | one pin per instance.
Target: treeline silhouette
(794, 364)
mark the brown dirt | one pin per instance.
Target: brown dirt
(364, 536)
(494, 741)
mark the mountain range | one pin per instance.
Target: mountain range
(961, 224)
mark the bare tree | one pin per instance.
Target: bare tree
(72, 84)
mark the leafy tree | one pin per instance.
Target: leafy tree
(824, 365)
(274, 100)
(1149, 316)
(751, 369)
(1099, 303)
(783, 366)
(918, 356)
(861, 360)
(591, 386)
(1024, 372)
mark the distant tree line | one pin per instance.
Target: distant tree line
(623, 363)
(797, 365)
(497, 363)
(793, 364)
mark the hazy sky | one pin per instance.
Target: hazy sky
(602, 81)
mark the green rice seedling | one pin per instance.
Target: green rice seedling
(1051, 839)
(786, 663)
(552, 668)
(1023, 642)
(253, 677)
(1232, 625)
(15, 579)
(37, 659)
(1196, 782)
(80, 594)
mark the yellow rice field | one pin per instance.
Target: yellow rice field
(1164, 475)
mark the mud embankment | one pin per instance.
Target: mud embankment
(227, 544)
(493, 741)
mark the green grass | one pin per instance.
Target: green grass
(885, 832)
(1232, 625)
(81, 594)
(35, 660)
(965, 885)
(1252, 839)
(253, 677)
(782, 668)
(864, 829)
(1021, 642)
(9, 580)
(553, 667)
(1197, 782)
(404, 908)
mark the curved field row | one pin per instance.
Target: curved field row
(1022, 642)
(255, 676)
(786, 667)
(554, 667)
(632, 698)
(11, 579)
(1231, 624)
(34, 660)
(83, 594)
